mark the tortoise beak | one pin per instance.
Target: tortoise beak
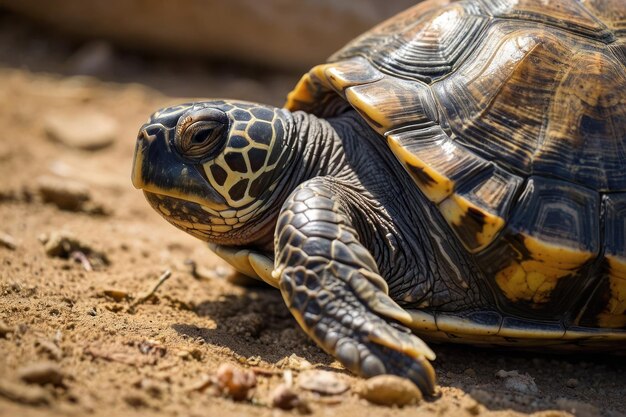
(156, 169)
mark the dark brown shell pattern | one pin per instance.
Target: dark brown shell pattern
(511, 117)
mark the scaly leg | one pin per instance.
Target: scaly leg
(331, 284)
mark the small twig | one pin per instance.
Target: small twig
(265, 372)
(164, 277)
(81, 257)
(7, 241)
(198, 272)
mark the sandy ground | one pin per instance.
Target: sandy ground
(97, 350)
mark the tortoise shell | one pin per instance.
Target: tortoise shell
(510, 116)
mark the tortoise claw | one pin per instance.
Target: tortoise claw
(339, 317)
(263, 266)
(249, 262)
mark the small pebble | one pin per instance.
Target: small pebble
(116, 295)
(235, 381)
(136, 401)
(322, 382)
(515, 381)
(85, 130)
(62, 244)
(7, 241)
(389, 390)
(152, 347)
(222, 271)
(294, 362)
(183, 354)
(65, 194)
(24, 394)
(4, 329)
(41, 374)
(571, 383)
(285, 398)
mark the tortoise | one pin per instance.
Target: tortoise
(456, 174)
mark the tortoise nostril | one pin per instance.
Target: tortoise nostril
(147, 133)
(144, 136)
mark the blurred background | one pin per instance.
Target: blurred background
(182, 47)
(77, 78)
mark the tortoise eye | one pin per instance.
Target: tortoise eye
(200, 138)
(199, 135)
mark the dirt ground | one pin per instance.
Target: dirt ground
(81, 342)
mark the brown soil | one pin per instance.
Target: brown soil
(152, 358)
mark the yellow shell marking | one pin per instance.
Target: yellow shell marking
(435, 186)
(450, 328)
(318, 73)
(390, 103)
(336, 78)
(344, 74)
(330, 78)
(451, 324)
(376, 118)
(474, 226)
(533, 279)
(309, 89)
(300, 94)
(614, 314)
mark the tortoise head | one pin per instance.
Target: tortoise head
(208, 167)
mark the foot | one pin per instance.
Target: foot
(331, 284)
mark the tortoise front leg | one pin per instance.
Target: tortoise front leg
(331, 284)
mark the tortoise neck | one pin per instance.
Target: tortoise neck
(312, 149)
(318, 148)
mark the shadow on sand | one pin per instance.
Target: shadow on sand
(257, 323)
